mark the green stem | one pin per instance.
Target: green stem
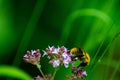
(39, 67)
(56, 69)
(54, 56)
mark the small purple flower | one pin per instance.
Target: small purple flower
(49, 77)
(84, 74)
(63, 49)
(53, 50)
(50, 51)
(32, 57)
(78, 72)
(66, 61)
(64, 55)
(55, 63)
(37, 78)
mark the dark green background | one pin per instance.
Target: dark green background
(34, 24)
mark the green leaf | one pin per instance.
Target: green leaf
(13, 72)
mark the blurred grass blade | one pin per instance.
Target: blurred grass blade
(110, 38)
(13, 72)
(115, 71)
(29, 30)
(7, 34)
(116, 67)
(78, 13)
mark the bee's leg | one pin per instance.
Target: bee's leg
(82, 64)
(74, 58)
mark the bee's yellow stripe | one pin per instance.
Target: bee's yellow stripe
(88, 57)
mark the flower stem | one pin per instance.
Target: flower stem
(56, 69)
(39, 67)
(54, 56)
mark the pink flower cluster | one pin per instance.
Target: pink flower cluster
(58, 56)
(32, 57)
(37, 78)
(77, 73)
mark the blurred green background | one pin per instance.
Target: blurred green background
(34, 24)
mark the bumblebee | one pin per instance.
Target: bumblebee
(81, 55)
